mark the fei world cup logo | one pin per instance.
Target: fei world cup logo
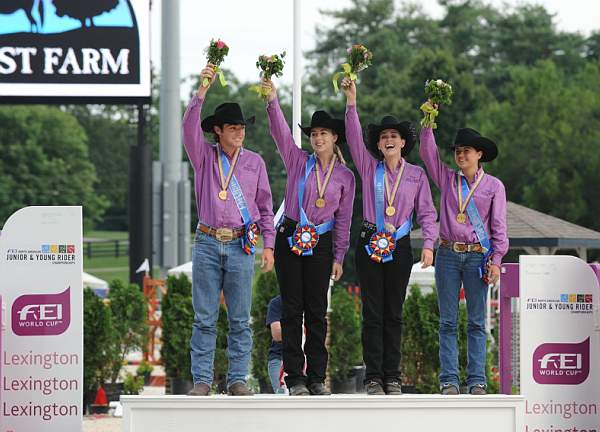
(562, 363)
(42, 314)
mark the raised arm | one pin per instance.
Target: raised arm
(437, 170)
(193, 137)
(280, 131)
(354, 136)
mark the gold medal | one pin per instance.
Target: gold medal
(321, 186)
(225, 181)
(390, 210)
(461, 218)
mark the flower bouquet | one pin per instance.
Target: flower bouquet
(359, 58)
(269, 66)
(215, 54)
(437, 93)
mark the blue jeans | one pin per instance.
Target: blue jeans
(274, 367)
(452, 269)
(217, 267)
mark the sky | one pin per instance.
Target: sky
(18, 22)
(266, 27)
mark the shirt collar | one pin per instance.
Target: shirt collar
(478, 174)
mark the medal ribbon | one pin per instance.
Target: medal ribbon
(390, 199)
(321, 189)
(222, 159)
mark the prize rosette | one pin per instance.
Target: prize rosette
(305, 238)
(381, 246)
(250, 238)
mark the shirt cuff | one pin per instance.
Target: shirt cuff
(272, 104)
(496, 259)
(269, 241)
(428, 244)
(338, 257)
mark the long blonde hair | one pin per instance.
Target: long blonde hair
(339, 154)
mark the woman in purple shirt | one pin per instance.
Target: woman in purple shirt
(392, 190)
(473, 242)
(311, 240)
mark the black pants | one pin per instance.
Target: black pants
(303, 282)
(382, 290)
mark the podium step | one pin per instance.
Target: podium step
(344, 413)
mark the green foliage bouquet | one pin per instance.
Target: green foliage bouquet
(215, 54)
(359, 58)
(270, 66)
(437, 93)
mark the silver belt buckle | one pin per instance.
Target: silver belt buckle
(224, 234)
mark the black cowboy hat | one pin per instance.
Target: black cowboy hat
(228, 112)
(467, 137)
(405, 128)
(324, 120)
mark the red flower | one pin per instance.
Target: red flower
(220, 44)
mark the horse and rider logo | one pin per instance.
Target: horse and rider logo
(83, 11)
(69, 41)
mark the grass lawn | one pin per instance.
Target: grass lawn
(109, 268)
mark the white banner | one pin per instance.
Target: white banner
(560, 344)
(75, 49)
(41, 264)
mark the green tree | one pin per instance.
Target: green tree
(110, 134)
(548, 134)
(177, 321)
(129, 311)
(97, 340)
(45, 162)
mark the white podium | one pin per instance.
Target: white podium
(343, 413)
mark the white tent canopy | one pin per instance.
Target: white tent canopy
(423, 277)
(183, 268)
(99, 286)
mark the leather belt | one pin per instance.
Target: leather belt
(222, 234)
(461, 247)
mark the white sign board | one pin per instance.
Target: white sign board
(560, 344)
(75, 49)
(41, 264)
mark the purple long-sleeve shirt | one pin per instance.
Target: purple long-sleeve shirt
(413, 192)
(339, 195)
(250, 172)
(489, 197)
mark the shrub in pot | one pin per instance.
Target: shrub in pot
(265, 288)
(129, 312)
(345, 350)
(177, 321)
(97, 339)
(144, 370)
